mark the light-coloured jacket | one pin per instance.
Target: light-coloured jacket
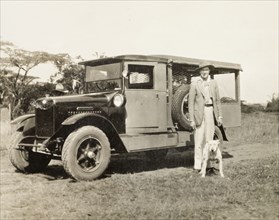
(196, 101)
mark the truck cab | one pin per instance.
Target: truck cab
(130, 103)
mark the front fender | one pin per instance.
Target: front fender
(22, 118)
(79, 120)
(25, 124)
(78, 117)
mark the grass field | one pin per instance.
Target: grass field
(257, 127)
(134, 188)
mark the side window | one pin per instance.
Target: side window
(226, 84)
(140, 77)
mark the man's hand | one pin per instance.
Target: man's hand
(193, 125)
(220, 122)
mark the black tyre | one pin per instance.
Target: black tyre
(218, 136)
(86, 153)
(180, 112)
(24, 159)
(156, 155)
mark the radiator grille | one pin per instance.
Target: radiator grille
(45, 122)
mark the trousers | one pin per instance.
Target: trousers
(202, 134)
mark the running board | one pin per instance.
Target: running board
(144, 142)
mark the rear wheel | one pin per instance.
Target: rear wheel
(24, 159)
(86, 153)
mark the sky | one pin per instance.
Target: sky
(244, 32)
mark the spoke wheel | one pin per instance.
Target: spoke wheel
(184, 108)
(86, 153)
(180, 111)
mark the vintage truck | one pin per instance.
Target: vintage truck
(130, 103)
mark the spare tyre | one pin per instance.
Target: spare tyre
(180, 112)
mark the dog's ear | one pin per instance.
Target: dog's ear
(218, 141)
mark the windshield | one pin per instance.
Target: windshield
(103, 78)
(103, 86)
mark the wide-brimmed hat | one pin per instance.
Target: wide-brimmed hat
(59, 90)
(205, 64)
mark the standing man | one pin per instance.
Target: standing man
(204, 105)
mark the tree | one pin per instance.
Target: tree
(273, 104)
(15, 66)
(32, 93)
(7, 78)
(70, 75)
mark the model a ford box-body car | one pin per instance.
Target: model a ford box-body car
(130, 103)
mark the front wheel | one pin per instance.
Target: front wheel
(24, 159)
(86, 153)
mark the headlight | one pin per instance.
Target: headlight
(118, 100)
(43, 104)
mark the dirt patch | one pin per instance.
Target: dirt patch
(251, 151)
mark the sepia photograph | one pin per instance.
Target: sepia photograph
(139, 109)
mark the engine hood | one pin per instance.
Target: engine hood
(91, 97)
(97, 99)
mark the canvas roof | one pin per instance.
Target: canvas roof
(162, 59)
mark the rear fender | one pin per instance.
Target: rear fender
(79, 120)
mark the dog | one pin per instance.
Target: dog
(212, 151)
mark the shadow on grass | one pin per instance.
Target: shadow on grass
(135, 163)
(226, 155)
(55, 172)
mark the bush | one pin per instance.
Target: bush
(273, 104)
(249, 108)
(30, 94)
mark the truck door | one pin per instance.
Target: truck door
(145, 90)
